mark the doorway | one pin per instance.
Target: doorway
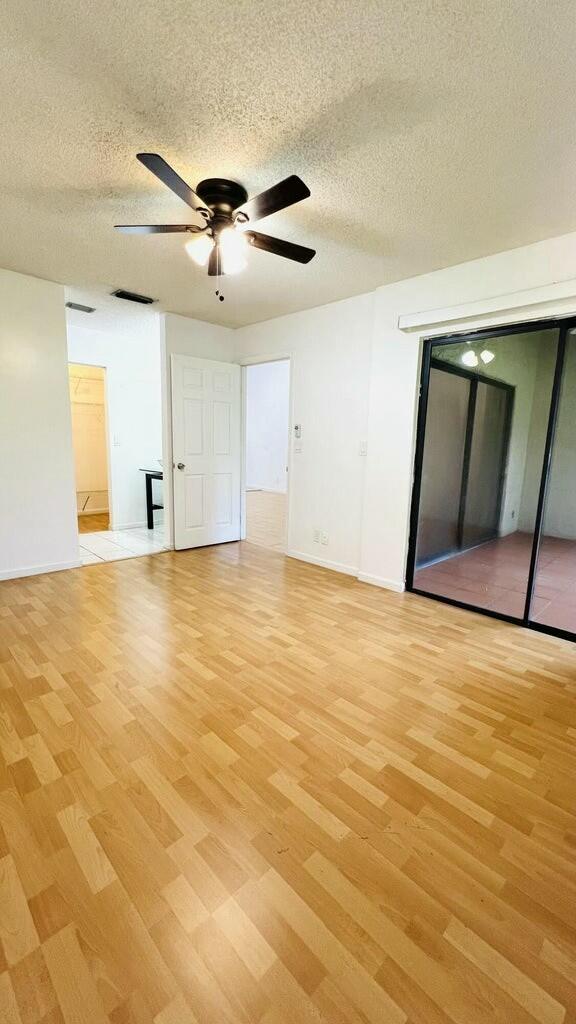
(267, 424)
(493, 524)
(89, 437)
(99, 539)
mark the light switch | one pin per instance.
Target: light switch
(363, 449)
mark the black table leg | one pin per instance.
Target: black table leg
(149, 509)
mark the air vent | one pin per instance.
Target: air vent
(144, 300)
(80, 308)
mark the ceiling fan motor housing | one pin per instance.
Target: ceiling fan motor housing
(221, 195)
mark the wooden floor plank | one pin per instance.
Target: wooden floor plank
(238, 789)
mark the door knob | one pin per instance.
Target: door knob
(181, 465)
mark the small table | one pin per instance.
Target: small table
(151, 474)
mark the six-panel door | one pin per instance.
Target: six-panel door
(206, 451)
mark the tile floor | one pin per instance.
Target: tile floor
(110, 545)
(494, 576)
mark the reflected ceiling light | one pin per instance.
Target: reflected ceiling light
(470, 358)
(199, 249)
(233, 246)
(486, 356)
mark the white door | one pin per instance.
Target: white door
(206, 451)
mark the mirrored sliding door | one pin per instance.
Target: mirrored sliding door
(554, 597)
(482, 441)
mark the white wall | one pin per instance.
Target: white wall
(130, 353)
(532, 282)
(355, 374)
(267, 417)
(181, 335)
(329, 348)
(37, 506)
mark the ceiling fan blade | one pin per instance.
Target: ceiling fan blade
(280, 247)
(285, 193)
(215, 263)
(158, 166)
(154, 229)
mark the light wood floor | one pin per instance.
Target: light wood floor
(266, 519)
(237, 789)
(91, 524)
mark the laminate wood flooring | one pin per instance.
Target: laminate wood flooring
(238, 789)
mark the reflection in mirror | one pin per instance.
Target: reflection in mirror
(486, 422)
(554, 600)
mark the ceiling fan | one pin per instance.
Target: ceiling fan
(228, 214)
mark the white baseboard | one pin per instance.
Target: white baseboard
(128, 526)
(348, 570)
(37, 570)
(378, 581)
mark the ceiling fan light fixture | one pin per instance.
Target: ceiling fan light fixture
(470, 358)
(199, 249)
(233, 248)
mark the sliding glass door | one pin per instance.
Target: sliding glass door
(554, 598)
(448, 407)
(493, 522)
(488, 454)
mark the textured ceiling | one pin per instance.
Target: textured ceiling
(429, 132)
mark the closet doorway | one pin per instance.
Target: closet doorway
(90, 441)
(493, 523)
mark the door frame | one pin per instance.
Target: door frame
(563, 325)
(259, 360)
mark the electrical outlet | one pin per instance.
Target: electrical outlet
(316, 536)
(323, 538)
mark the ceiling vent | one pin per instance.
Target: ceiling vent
(80, 307)
(144, 300)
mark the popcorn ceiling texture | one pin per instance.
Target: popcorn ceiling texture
(429, 132)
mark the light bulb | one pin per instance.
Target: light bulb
(486, 356)
(199, 249)
(233, 248)
(470, 358)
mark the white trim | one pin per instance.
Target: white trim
(378, 581)
(535, 300)
(256, 360)
(37, 570)
(348, 570)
